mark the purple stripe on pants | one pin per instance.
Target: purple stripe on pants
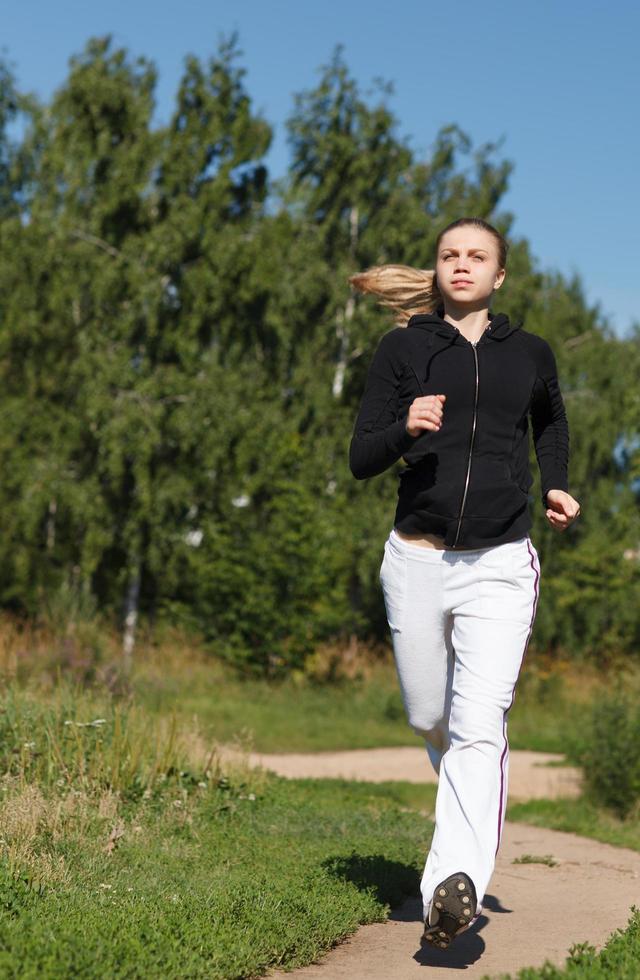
(504, 722)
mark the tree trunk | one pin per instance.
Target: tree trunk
(51, 524)
(344, 317)
(131, 614)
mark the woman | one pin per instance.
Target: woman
(452, 390)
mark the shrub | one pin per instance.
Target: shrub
(610, 752)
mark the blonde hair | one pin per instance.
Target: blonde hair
(403, 289)
(408, 291)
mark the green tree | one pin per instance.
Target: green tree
(182, 361)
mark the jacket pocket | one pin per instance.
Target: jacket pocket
(493, 492)
(495, 500)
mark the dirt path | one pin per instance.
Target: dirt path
(533, 912)
(530, 775)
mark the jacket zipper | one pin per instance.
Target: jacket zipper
(473, 434)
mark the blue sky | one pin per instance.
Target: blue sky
(558, 82)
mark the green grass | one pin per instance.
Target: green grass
(127, 850)
(283, 716)
(227, 885)
(536, 859)
(303, 716)
(578, 817)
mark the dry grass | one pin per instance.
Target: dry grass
(32, 826)
(90, 651)
(35, 822)
(578, 683)
(349, 661)
(80, 765)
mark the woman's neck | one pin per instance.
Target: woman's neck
(471, 323)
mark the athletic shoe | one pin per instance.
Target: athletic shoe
(452, 909)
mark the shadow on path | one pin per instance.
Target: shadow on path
(392, 882)
(388, 881)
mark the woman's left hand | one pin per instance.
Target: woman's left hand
(562, 509)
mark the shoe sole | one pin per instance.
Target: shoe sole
(455, 901)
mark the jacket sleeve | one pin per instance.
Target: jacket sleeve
(549, 425)
(380, 436)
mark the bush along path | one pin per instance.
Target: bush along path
(553, 895)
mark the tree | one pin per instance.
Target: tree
(182, 362)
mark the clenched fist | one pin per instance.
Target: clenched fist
(425, 412)
(562, 509)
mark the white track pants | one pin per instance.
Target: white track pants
(460, 623)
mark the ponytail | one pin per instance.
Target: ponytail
(401, 288)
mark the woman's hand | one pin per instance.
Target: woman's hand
(425, 412)
(562, 509)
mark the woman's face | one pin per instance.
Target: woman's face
(467, 267)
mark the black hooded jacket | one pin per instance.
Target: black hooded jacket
(469, 482)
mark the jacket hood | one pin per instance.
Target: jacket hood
(434, 323)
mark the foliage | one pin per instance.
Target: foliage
(610, 751)
(182, 361)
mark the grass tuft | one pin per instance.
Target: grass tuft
(536, 859)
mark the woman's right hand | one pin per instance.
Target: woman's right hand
(425, 413)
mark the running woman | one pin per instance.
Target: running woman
(451, 389)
